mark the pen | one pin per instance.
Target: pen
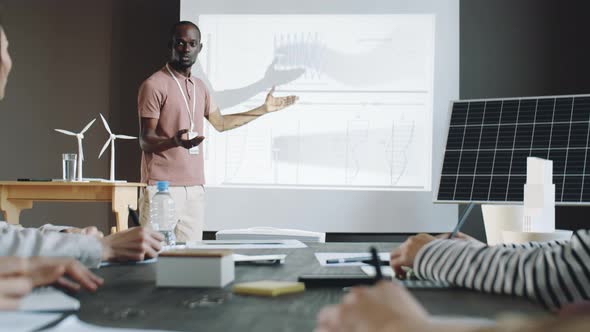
(376, 264)
(461, 221)
(347, 260)
(134, 216)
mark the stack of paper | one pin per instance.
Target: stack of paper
(270, 233)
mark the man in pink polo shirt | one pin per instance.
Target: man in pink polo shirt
(172, 105)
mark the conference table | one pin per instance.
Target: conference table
(129, 297)
(16, 196)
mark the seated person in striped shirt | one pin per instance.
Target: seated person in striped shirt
(552, 273)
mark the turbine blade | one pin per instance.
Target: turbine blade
(65, 132)
(87, 126)
(104, 147)
(125, 137)
(106, 125)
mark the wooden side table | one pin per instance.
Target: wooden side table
(16, 196)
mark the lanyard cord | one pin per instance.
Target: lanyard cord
(191, 115)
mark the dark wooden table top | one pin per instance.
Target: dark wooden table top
(129, 298)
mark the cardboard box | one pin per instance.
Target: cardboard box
(194, 268)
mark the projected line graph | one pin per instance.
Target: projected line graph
(364, 118)
(291, 155)
(300, 50)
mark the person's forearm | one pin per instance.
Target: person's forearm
(53, 228)
(151, 143)
(546, 245)
(32, 242)
(232, 121)
(554, 276)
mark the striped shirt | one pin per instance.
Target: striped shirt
(553, 273)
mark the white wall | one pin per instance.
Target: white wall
(337, 210)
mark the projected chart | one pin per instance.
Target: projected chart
(364, 118)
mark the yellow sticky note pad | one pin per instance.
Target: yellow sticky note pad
(268, 288)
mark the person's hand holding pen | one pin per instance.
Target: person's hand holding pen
(405, 254)
(133, 244)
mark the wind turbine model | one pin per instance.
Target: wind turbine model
(80, 137)
(111, 140)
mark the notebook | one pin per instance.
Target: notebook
(48, 299)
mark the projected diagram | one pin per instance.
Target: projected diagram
(364, 118)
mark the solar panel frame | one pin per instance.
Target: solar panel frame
(560, 168)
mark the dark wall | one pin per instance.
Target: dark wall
(140, 34)
(525, 48)
(139, 49)
(74, 59)
(60, 79)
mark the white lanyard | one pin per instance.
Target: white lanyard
(191, 115)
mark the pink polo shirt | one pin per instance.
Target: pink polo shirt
(160, 98)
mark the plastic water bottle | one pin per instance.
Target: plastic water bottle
(162, 213)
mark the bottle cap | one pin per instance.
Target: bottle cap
(162, 185)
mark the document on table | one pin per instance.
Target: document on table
(280, 259)
(246, 244)
(14, 321)
(347, 258)
(49, 299)
(73, 324)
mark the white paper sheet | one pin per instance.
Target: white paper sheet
(13, 321)
(73, 324)
(323, 257)
(49, 299)
(259, 258)
(247, 244)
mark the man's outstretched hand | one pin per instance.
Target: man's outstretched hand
(274, 104)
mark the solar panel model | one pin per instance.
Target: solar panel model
(489, 141)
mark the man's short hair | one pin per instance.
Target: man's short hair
(176, 25)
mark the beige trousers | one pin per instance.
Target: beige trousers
(190, 210)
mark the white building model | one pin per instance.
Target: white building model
(539, 196)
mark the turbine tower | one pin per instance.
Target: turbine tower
(111, 140)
